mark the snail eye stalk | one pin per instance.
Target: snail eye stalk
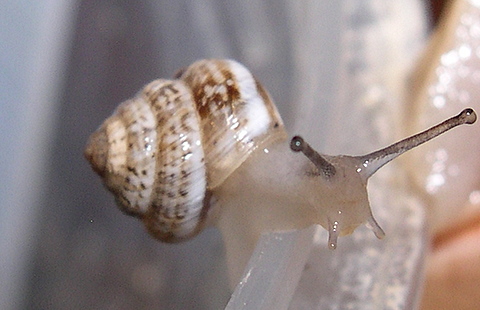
(374, 161)
(326, 169)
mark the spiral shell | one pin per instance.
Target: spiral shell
(163, 153)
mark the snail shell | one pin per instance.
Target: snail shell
(163, 152)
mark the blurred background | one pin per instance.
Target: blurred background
(65, 65)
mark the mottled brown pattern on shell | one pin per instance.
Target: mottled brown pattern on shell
(129, 119)
(170, 207)
(171, 230)
(212, 74)
(120, 178)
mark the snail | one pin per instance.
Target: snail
(169, 156)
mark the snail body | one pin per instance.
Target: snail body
(183, 149)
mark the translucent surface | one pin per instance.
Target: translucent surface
(264, 287)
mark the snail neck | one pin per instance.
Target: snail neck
(270, 188)
(261, 195)
(277, 189)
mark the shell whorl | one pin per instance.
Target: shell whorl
(164, 152)
(236, 114)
